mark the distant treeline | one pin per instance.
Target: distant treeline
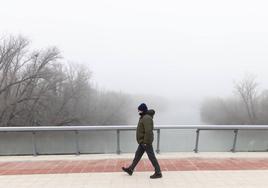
(249, 105)
(38, 88)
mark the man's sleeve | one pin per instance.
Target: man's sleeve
(148, 127)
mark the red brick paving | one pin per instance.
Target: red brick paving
(114, 165)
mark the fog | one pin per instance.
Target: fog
(183, 51)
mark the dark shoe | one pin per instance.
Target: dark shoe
(127, 170)
(156, 175)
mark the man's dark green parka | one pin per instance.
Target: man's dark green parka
(145, 128)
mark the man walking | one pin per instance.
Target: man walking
(145, 137)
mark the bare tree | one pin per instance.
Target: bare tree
(247, 90)
(37, 88)
(22, 74)
(247, 107)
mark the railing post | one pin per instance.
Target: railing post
(197, 141)
(77, 143)
(118, 141)
(34, 144)
(158, 141)
(235, 141)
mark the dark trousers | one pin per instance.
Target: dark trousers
(150, 152)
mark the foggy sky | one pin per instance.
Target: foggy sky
(184, 49)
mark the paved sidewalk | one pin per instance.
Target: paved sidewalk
(181, 179)
(202, 170)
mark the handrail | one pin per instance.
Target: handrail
(119, 128)
(132, 127)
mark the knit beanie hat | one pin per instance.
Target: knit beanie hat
(143, 107)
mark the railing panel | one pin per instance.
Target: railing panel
(216, 141)
(104, 139)
(97, 141)
(55, 142)
(252, 140)
(13, 143)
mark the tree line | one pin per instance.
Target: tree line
(248, 105)
(38, 88)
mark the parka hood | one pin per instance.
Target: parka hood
(151, 113)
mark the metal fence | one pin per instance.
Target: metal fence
(121, 128)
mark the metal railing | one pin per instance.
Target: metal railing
(119, 128)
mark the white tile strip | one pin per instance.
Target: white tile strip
(193, 179)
